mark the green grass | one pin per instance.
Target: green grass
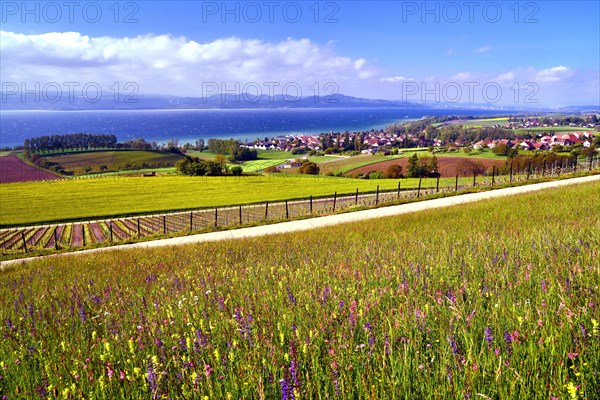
(476, 154)
(553, 129)
(466, 301)
(484, 122)
(160, 171)
(114, 160)
(259, 165)
(65, 200)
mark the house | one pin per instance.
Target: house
(527, 145)
(482, 143)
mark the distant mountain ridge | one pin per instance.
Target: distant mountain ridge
(220, 101)
(14, 101)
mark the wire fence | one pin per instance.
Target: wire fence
(82, 234)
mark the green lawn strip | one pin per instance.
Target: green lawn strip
(80, 199)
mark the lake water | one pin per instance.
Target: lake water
(190, 125)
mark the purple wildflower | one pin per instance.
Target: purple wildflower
(508, 340)
(488, 336)
(326, 292)
(290, 295)
(294, 373)
(151, 374)
(454, 346)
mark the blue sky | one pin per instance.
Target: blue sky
(527, 53)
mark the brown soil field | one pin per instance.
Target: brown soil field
(13, 169)
(447, 166)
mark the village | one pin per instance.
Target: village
(386, 140)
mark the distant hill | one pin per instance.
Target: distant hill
(227, 101)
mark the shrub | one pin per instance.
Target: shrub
(309, 168)
(394, 171)
(236, 170)
(376, 175)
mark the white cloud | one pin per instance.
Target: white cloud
(483, 49)
(553, 74)
(461, 76)
(506, 77)
(393, 79)
(170, 64)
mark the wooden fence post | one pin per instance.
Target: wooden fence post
(334, 200)
(111, 230)
(398, 194)
(437, 185)
(356, 197)
(266, 210)
(191, 220)
(511, 173)
(216, 217)
(311, 204)
(24, 242)
(456, 184)
(419, 190)
(82, 235)
(55, 239)
(287, 210)
(377, 196)
(544, 169)
(241, 219)
(474, 177)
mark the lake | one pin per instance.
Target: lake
(190, 125)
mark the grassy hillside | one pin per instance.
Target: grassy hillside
(464, 302)
(82, 163)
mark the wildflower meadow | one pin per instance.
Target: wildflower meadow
(492, 300)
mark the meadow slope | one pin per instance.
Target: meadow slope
(462, 302)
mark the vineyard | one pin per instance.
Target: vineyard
(107, 231)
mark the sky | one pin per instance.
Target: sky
(506, 53)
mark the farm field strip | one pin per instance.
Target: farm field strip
(131, 229)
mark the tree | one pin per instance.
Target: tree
(309, 168)
(413, 170)
(394, 171)
(236, 170)
(433, 165)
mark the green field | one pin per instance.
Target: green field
(63, 200)
(484, 122)
(266, 159)
(78, 163)
(454, 303)
(341, 165)
(553, 129)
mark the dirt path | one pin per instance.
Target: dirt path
(319, 222)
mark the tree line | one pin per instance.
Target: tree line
(233, 148)
(69, 141)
